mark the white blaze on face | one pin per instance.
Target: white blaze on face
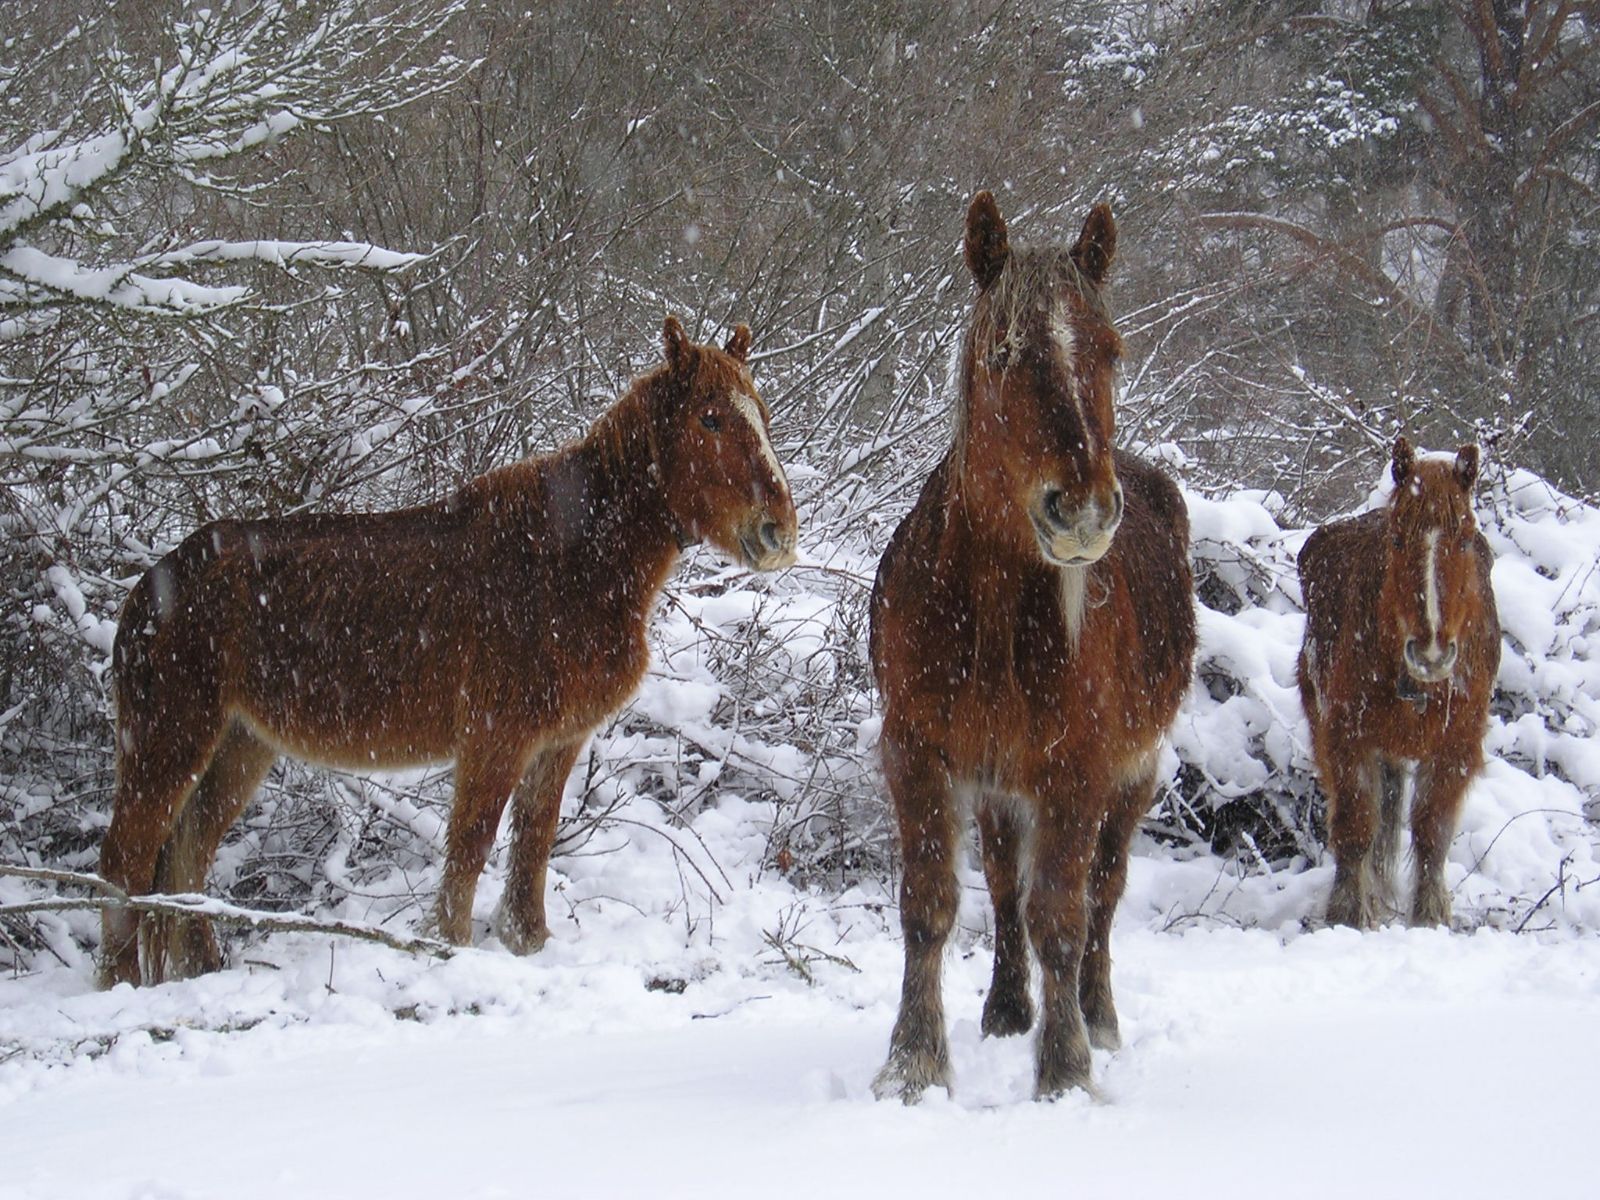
(1065, 336)
(751, 411)
(1430, 595)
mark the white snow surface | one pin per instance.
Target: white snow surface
(702, 1025)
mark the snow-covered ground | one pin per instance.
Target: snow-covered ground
(703, 1024)
(1258, 1062)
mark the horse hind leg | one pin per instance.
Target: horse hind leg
(184, 947)
(161, 756)
(1108, 877)
(1008, 1009)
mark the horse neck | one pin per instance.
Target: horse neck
(996, 541)
(623, 525)
(992, 548)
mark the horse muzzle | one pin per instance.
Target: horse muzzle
(1432, 663)
(1074, 537)
(767, 544)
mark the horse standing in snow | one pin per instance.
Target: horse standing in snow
(1401, 649)
(497, 628)
(1033, 628)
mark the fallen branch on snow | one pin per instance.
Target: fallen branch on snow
(190, 905)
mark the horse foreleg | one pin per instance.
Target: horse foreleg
(1441, 787)
(1352, 820)
(488, 770)
(1007, 1009)
(1386, 845)
(1107, 878)
(183, 947)
(1064, 844)
(535, 814)
(919, 1053)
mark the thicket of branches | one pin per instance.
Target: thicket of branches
(257, 257)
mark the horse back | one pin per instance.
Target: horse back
(907, 567)
(1341, 573)
(1151, 555)
(347, 624)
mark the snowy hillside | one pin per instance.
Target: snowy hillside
(726, 958)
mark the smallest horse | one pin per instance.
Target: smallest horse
(496, 628)
(1401, 649)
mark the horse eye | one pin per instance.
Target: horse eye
(711, 421)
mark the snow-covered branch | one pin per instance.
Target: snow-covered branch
(108, 895)
(242, 77)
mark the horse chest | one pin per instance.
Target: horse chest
(1021, 694)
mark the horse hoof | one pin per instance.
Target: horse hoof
(187, 946)
(445, 927)
(1062, 1064)
(1430, 913)
(1055, 1080)
(522, 941)
(115, 971)
(1006, 1015)
(906, 1076)
(1352, 911)
(1104, 1033)
(1086, 1086)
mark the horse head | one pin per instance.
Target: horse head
(1036, 426)
(721, 479)
(1430, 594)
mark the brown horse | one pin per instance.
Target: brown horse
(1032, 633)
(496, 628)
(1401, 649)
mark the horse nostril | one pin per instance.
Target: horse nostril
(1052, 508)
(1428, 659)
(1116, 506)
(769, 536)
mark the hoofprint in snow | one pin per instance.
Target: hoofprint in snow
(701, 1024)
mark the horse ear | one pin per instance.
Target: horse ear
(1467, 465)
(986, 246)
(1097, 244)
(676, 342)
(739, 343)
(1404, 459)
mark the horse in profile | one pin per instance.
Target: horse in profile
(496, 628)
(1032, 635)
(1401, 649)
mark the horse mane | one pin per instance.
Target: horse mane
(1031, 278)
(629, 427)
(620, 450)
